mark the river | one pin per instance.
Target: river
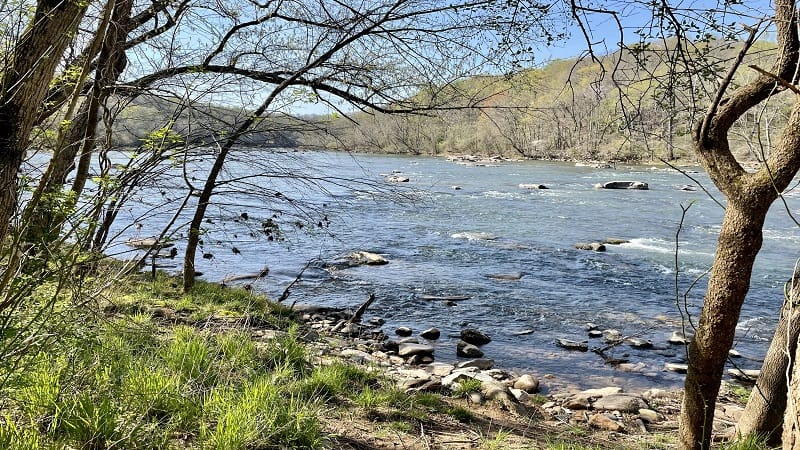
(441, 241)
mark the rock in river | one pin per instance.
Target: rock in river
(573, 345)
(414, 349)
(468, 350)
(358, 258)
(431, 334)
(637, 185)
(596, 246)
(475, 337)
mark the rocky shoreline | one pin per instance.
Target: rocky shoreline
(409, 363)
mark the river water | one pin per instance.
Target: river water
(443, 241)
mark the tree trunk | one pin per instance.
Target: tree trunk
(24, 85)
(739, 242)
(763, 415)
(791, 424)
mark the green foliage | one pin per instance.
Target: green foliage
(461, 414)
(466, 387)
(334, 380)
(287, 351)
(750, 442)
(496, 442)
(162, 138)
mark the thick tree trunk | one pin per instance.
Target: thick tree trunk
(24, 86)
(764, 413)
(791, 424)
(739, 242)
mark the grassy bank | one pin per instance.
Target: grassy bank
(142, 366)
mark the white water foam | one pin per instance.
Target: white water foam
(474, 236)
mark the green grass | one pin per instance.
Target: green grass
(126, 380)
(750, 442)
(466, 387)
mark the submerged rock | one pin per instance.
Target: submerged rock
(573, 345)
(358, 258)
(595, 246)
(532, 186)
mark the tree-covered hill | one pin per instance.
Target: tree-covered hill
(616, 108)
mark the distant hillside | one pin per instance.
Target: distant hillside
(623, 108)
(633, 105)
(199, 124)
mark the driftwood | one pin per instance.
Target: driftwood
(248, 276)
(362, 309)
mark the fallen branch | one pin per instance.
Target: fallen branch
(362, 309)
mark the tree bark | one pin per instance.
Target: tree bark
(24, 85)
(791, 424)
(739, 242)
(763, 414)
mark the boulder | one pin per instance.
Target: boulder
(358, 258)
(147, 243)
(638, 342)
(532, 186)
(748, 375)
(396, 179)
(595, 246)
(414, 349)
(637, 185)
(620, 402)
(675, 367)
(480, 363)
(604, 422)
(519, 394)
(576, 402)
(441, 369)
(403, 331)
(679, 338)
(356, 355)
(468, 350)
(615, 241)
(474, 336)
(527, 383)
(601, 392)
(649, 416)
(573, 345)
(431, 334)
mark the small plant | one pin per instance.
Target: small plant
(461, 414)
(288, 351)
(741, 393)
(89, 422)
(749, 442)
(189, 355)
(466, 387)
(496, 442)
